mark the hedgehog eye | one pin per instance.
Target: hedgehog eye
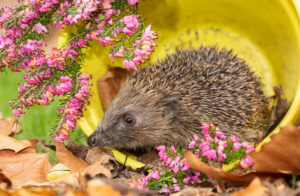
(129, 119)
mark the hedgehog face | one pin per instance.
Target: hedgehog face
(128, 124)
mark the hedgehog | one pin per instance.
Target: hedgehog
(167, 102)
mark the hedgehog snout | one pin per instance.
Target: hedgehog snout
(93, 140)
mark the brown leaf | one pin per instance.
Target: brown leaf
(98, 168)
(8, 127)
(10, 143)
(255, 188)
(34, 191)
(97, 187)
(96, 154)
(24, 167)
(281, 154)
(110, 83)
(192, 191)
(4, 193)
(68, 159)
(4, 179)
(78, 150)
(72, 192)
(219, 174)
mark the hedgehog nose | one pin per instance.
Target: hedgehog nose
(93, 140)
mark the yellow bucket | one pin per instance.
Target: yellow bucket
(266, 33)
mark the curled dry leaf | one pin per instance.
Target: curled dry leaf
(33, 191)
(25, 167)
(98, 187)
(281, 154)
(219, 174)
(255, 188)
(98, 168)
(192, 191)
(110, 83)
(68, 159)
(9, 143)
(101, 167)
(9, 126)
(4, 181)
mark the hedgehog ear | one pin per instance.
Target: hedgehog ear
(171, 107)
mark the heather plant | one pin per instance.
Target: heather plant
(58, 74)
(213, 147)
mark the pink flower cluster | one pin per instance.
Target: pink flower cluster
(74, 109)
(59, 72)
(175, 165)
(212, 147)
(82, 10)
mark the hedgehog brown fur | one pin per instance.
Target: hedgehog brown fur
(167, 102)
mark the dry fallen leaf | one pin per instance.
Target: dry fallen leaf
(68, 159)
(281, 154)
(98, 168)
(110, 83)
(34, 191)
(9, 126)
(4, 193)
(255, 188)
(9, 143)
(71, 192)
(195, 191)
(4, 181)
(24, 167)
(97, 187)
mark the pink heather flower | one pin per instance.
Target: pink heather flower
(109, 13)
(17, 112)
(84, 76)
(236, 146)
(21, 89)
(175, 169)
(203, 145)
(176, 187)
(137, 60)
(65, 79)
(221, 156)
(220, 134)
(185, 167)
(205, 126)
(168, 161)
(127, 31)
(234, 138)
(195, 178)
(139, 52)
(248, 147)
(174, 180)
(196, 138)
(165, 190)
(210, 154)
(186, 180)
(246, 162)
(132, 2)
(162, 156)
(173, 149)
(137, 42)
(39, 28)
(154, 175)
(131, 21)
(60, 138)
(197, 173)
(192, 144)
(130, 64)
